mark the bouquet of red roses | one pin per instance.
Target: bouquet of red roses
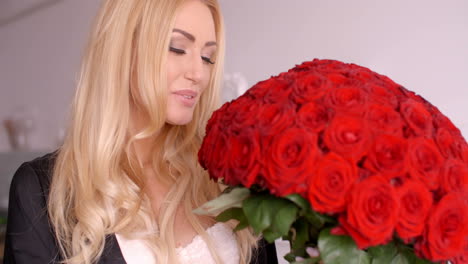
(335, 156)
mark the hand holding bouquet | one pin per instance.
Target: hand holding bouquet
(335, 156)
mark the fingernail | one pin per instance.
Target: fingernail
(313, 252)
(299, 258)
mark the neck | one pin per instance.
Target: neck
(141, 147)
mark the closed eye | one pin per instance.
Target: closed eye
(177, 51)
(208, 60)
(182, 52)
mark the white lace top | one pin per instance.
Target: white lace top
(197, 252)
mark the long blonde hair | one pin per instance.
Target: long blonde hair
(97, 186)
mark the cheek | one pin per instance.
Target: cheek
(206, 80)
(172, 73)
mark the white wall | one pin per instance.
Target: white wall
(39, 58)
(420, 44)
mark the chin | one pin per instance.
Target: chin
(178, 114)
(179, 120)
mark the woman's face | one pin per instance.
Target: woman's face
(190, 60)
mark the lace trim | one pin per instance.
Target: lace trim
(135, 251)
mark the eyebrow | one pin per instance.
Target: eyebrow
(191, 37)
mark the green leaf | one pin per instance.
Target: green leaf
(282, 221)
(392, 253)
(314, 233)
(259, 212)
(340, 249)
(284, 218)
(421, 261)
(227, 200)
(315, 218)
(242, 224)
(290, 257)
(399, 259)
(406, 255)
(301, 233)
(270, 235)
(383, 254)
(299, 201)
(269, 214)
(231, 213)
(234, 213)
(3, 220)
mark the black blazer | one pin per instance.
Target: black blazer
(30, 238)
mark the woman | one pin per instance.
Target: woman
(122, 187)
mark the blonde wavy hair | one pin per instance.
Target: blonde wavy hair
(98, 188)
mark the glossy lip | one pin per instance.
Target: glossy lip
(181, 95)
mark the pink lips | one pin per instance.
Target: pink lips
(186, 97)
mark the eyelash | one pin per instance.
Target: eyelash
(182, 52)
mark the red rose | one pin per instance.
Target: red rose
(383, 95)
(446, 142)
(209, 155)
(415, 204)
(441, 121)
(216, 117)
(259, 90)
(244, 113)
(291, 160)
(274, 118)
(307, 88)
(418, 118)
(465, 153)
(316, 63)
(450, 143)
(243, 158)
(372, 212)
(384, 119)
(447, 230)
(425, 162)
(363, 76)
(226, 117)
(304, 66)
(332, 179)
(313, 116)
(328, 66)
(349, 99)
(390, 85)
(359, 147)
(463, 258)
(336, 78)
(454, 176)
(387, 156)
(348, 136)
(278, 92)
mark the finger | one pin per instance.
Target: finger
(313, 252)
(299, 259)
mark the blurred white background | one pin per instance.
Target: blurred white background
(39, 59)
(421, 44)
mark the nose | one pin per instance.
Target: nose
(195, 69)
